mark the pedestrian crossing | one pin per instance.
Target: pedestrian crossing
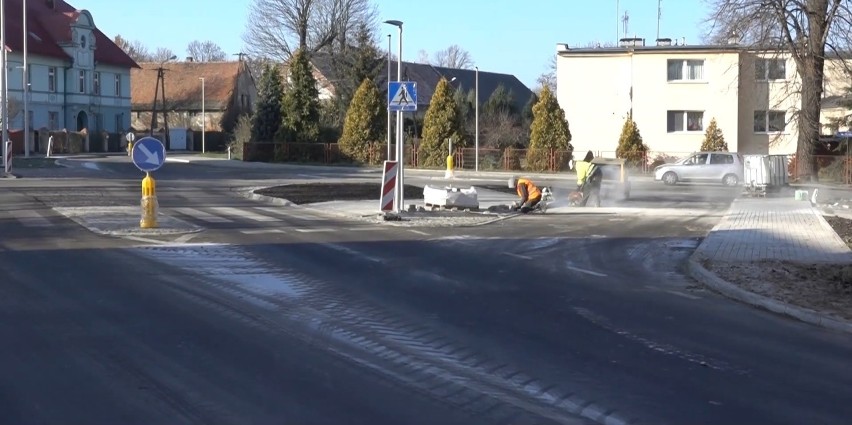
(212, 216)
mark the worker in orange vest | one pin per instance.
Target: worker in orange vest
(529, 193)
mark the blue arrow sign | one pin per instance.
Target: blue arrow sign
(148, 154)
(402, 96)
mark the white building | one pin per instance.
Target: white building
(675, 90)
(78, 78)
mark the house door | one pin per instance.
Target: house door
(82, 120)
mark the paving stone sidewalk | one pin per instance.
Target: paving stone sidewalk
(774, 229)
(781, 255)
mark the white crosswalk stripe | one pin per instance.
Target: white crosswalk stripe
(285, 213)
(244, 213)
(29, 218)
(202, 215)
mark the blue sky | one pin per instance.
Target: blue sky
(508, 36)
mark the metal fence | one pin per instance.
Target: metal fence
(830, 168)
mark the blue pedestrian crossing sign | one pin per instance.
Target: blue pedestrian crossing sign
(402, 96)
(148, 154)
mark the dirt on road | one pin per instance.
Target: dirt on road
(310, 193)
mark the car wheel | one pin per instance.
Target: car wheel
(730, 180)
(670, 178)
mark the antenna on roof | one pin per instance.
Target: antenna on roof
(659, 16)
(625, 21)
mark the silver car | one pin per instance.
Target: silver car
(705, 167)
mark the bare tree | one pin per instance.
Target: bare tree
(423, 56)
(162, 54)
(548, 78)
(276, 28)
(205, 51)
(804, 29)
(453, 57)
(135, 49)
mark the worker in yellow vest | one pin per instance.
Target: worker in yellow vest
(589, 177)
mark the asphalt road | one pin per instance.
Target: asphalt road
(310, 319)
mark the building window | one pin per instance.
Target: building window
(685, 121)
(82, 85)
(685, 70)
(119, 122)
(770, 121)
(770, 69)
(117, 85)
(96, 83)
(83, 41)
(51, 79)
(52, 120)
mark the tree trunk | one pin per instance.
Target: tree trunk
(809, 127)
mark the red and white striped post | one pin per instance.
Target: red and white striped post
(388, 195)
(7, 160)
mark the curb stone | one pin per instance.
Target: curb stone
(249, 194)
(730, 290)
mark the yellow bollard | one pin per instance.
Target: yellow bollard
(149, 203)
(449, 173)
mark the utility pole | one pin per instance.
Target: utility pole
(4, 98)
(26, 80)
(160, 90)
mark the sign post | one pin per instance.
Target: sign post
(130, 137)
(402, 97)
(148, 154)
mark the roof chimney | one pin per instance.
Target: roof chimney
(562, 47)
(632, 42)
(664, 42)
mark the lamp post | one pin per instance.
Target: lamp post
(400, 152)
(3, 93)
(476, 122)
(26, 82)
(390, 158)
(203, 118)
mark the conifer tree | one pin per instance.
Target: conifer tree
(363, 124)
(442, 122)
(300, 106)
(267, 117)
(549, 131)
(713, 139)
(630, 145)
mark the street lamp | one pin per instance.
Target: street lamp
(203, 118)
(476, 122)
(26, 89)
(400, 156)
(389, 111)
(3, 93)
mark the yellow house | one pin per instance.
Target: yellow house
(674, 90)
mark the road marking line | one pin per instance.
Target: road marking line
(419, 232)
(243, 213)
(523, 257)
(681, 294)
(577, 269)
(324, 229)
(261, 231)
(30, 218)
(279, 211)
(185, 238)
(201, 215)
(146, 240)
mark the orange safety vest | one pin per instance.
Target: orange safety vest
(532, 190)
